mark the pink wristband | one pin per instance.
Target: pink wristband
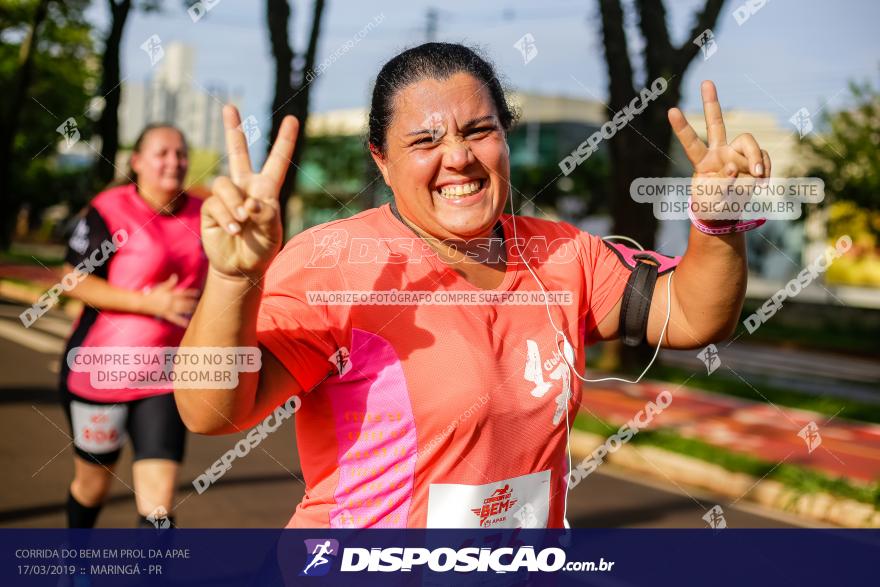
(721, 230)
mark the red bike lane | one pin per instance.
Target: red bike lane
(837, 447)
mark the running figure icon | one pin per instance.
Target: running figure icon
(321, 549)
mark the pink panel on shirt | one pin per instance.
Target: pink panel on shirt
(376, 436)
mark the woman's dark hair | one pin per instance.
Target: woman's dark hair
(430, 61)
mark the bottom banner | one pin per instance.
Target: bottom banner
(438, 557)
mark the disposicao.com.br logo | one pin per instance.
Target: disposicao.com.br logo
(322, 553)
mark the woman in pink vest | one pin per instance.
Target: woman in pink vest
(140, 245)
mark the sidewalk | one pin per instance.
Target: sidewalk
(814, 373)
(842, 448)
(26, 283)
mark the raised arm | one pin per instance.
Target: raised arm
(709, 284)
(241, 233)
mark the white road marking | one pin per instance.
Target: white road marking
(32, 339)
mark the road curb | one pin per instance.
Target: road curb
(668, 465)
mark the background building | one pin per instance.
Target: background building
(173, 95)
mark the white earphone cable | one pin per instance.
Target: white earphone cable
(564, 355)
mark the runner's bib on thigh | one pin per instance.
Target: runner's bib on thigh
(98, 428)
(521, 502)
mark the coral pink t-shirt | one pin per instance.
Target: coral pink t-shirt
(435, 411)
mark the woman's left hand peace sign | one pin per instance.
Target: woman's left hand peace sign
(741, 157)
(241, 221)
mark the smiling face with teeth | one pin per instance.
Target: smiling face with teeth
(445, 158)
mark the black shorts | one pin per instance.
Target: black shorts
(99, 429)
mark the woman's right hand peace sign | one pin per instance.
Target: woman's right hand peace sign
(241, 221)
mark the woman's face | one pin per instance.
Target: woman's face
(161, 164)
(446, 157)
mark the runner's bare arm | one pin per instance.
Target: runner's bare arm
(709, 286)
(97, 292)
(163, 301)
(227, 317)
(241, 233)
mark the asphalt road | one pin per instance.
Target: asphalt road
(262, 489)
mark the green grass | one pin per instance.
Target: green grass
(832, 338)
(18, 281)
(733, 386)
(21, 258)
(798, 478)
(827, 328)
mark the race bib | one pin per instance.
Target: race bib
(521, 502)
(98, 429)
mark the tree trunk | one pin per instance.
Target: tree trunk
(9, 202)
(292, 88)
(111, 90)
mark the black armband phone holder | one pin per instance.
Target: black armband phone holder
(635, 306)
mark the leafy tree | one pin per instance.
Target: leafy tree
(844, 153)
(40, 41)
(846, 157)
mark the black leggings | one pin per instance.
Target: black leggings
(99, 429)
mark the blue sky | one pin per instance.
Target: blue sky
(789, 54)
